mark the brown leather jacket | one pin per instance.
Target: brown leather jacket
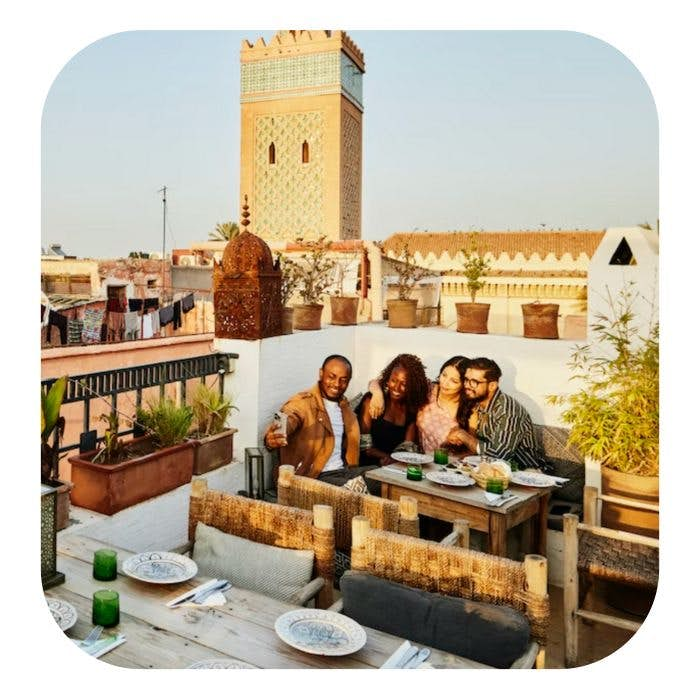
(310, 437)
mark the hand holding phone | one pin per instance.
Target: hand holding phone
(281, 419)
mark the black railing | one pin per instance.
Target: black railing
(111, 383)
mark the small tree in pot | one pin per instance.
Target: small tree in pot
(402, 311)
(313, 275)
(473, 317)
(343, 307)
(290, 281)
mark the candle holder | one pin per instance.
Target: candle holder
(105, 608)
(104, 565)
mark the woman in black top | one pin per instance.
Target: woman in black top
(406, 390)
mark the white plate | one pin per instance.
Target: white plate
(411, 457)
(64, 613)
(472, 460)
(532, 479)
(319, 631)
(160, 567)
(449, 478)
(220, 663)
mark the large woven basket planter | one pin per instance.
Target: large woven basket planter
(472, 318)
(287, 320)
(109, 488)
(344, 311)
(307, 317)
(639, 488)
(402, 313)
(540, 320)
(213, 451)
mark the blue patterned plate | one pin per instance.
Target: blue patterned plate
(319, 631)
(160, 567)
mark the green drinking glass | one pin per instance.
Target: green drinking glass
(105, 608)
(441, 456)
(414, 472)
(104, 565)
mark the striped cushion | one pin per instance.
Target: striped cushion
(273, 571)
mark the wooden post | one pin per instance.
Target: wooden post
(323, 517)
(461, 527)
(323, 520)
(536, 581)
(360, 530)
(408, 516)
(590, 505)
(570, 589)
(284, 483)
(199, 487)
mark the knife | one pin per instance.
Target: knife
(186, 597)
(418, 659)
(396, 659)
(408, 658)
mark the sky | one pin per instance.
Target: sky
(463, 130)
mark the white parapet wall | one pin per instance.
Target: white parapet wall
(271, 370)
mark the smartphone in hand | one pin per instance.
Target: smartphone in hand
(281, 419)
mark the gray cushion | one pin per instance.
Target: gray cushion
(490, 634)
(274, 571)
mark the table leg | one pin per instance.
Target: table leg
(497, 534)
(542, 524)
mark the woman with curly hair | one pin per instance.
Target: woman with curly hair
(442, 420)
(405, 390)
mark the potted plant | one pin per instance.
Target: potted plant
(343, 307)
(213, 440)
(614, 416)
(52, 426)
(402, 311)
(289, 284)
(313, 271)
(121, 474)
(473, 317)
(540, 320)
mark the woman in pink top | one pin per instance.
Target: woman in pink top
(440, 420)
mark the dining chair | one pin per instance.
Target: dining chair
(435, 580)
(383, 514)
(272, 524)
(595, 552)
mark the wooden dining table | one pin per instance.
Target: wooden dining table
(468, 503)
(241, 632)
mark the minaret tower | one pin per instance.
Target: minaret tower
(301, 134)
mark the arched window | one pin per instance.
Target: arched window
(305, 152)
(271, 154)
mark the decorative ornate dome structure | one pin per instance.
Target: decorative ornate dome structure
(247, 288)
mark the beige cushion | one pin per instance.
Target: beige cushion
(273, 571)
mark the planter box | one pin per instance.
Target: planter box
(109, 488)
(213, 452)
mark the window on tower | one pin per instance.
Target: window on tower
(271, 154)
(305, 152)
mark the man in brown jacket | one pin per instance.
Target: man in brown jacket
(322, 438)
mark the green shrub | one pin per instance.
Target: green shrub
(166, 423)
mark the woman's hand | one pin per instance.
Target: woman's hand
(376, 403)
(458, 436)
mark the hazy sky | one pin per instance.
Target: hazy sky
(464, 129)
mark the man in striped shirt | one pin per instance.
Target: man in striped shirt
(499, 426)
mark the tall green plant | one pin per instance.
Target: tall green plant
(475, 267)
(166, 423)
(614, 416)
(52, 427)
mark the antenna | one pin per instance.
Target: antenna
(164, 190)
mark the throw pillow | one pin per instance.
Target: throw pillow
(273, 571)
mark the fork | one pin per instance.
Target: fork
(92, 637)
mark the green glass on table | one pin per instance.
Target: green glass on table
(494, 485)
(414, 472)
(105, 608)
(441, 456)
(104, 565)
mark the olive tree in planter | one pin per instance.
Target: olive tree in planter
(121, 474)
(473, 317)
(614, 416)
(213, 440)
(343, 307)
(402, 311)
(312, 273)
(288, 287)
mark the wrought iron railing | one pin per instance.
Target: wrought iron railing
(111, 383)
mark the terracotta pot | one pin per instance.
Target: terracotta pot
(307, 317)
(540, 320)
(402, 313)
(109, 488)
(63, 504)
(213, 451)
(344, 311)
(640, 488)
(287, 320)
(472, 318)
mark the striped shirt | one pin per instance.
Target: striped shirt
(505, 430)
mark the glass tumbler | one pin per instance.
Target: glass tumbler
(105, 608)
(104, 565)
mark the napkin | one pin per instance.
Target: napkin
(215, 598)
(101, 646)
(494, 499)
